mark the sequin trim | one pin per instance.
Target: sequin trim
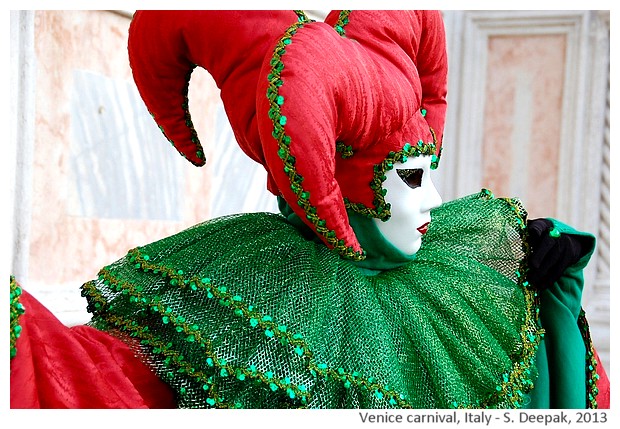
(343, 20)
(284, 141)
(346, 151)
(199, 152)
(301, 16)
(436, 156)
(591, 362)
(381, 208)
(17, 309)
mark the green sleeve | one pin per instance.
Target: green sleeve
(561, 360)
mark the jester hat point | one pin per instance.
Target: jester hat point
(326, 107)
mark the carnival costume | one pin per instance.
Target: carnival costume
(314, 307)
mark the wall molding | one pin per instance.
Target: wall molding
(583, 175)
(22, 127)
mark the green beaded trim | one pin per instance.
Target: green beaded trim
(381, 209)
(172, 358)
(346, 151)
(343, 19)
(284, 141)
(591, 362)
(17, 309)
(517, 381)
(257, 320)
(188, 122)
(435, 157)
(301, 16)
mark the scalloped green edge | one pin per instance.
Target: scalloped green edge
(591, 363)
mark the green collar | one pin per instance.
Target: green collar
(381, 255)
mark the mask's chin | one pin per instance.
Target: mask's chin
(413, 249)
(400, 234)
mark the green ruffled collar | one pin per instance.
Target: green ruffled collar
(381, 255)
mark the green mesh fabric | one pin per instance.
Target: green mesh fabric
(243, 311)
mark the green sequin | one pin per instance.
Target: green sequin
(591, 362)
(16, 311)
(343, 19)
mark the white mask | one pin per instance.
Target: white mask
(412, 195)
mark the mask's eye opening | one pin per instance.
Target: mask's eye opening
(411, 177)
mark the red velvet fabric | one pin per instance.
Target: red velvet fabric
(421, 54)
(164, 46)
(79, 367)
(364, 90)
(603, 385)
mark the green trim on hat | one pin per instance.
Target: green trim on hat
(381, 208)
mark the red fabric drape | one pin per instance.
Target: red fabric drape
(602, 384)
(78, 367)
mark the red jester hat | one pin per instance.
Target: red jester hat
(325, 107)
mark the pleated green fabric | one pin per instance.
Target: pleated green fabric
(244, 311)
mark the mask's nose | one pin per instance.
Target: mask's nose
(432, 199)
